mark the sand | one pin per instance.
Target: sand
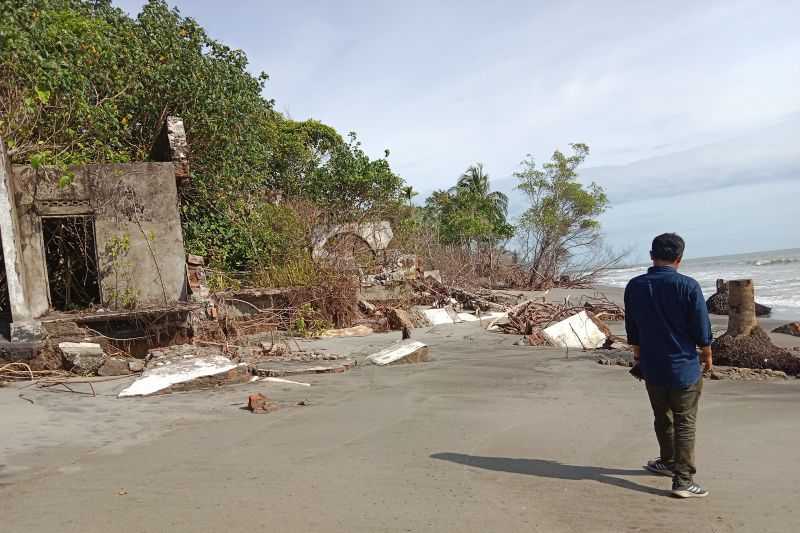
(487, 437)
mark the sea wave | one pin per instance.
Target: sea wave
(774, 261)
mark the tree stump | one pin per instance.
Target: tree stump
(741, 307)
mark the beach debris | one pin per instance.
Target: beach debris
(82, 357)
(748, 374)
(441, 316)
(284, 381)
(531, 317)
(354, 331)
(366, 307)
(258, 403)
(182, 370)
(114, 366)
(399, 319)
(754, 350)
(135, 365)
(745, 344)
(578, 331)
(792, 328)
(277, 367)
(717, 303)
(406, 332)
(402, 352)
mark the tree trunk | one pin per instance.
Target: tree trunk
(741, 307)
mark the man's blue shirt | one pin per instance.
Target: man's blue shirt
(666, 316)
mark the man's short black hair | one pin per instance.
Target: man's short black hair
(667, 247)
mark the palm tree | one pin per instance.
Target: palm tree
(475, 182)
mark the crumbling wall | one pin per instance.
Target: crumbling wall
(137, 225)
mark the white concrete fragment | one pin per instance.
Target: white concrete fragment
(355, 331)
(577, 331)
(80, 348)
(287, 381)
(441, 316)
(161, 377)
(396, 352)
(467, 317)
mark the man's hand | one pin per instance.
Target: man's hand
(706, 359)
(637, 352)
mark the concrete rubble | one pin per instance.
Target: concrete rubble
(577, 332)
(82, 357)
(401, 353)
(186, 367)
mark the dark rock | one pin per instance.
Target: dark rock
(717, 304)
(792, 328)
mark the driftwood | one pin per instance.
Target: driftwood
(530, 317)
(443, 295)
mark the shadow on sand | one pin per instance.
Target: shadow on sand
(553, 470)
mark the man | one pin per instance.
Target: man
(666, 320)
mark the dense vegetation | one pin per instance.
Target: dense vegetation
(81, 81)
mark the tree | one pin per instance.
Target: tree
(469, 213)
(83, 82)
(561, 220)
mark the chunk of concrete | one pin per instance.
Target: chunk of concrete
(114, 366)
(578, 331)
(441, 316)
(82, 357)
(404, 352)
(181, 371)
(355, 331)
(135, 365)
(399, 319)
(258, 403)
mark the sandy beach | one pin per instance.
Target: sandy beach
(488, 436)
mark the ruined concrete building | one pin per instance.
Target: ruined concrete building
(109, 237)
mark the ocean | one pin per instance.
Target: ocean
(776, 275)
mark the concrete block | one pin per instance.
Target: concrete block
(404, 352)
(578, 332)
(114, 366)
(83, 357)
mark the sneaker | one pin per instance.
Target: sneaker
(689, 491)
(657, 466)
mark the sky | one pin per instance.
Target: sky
(446, 84)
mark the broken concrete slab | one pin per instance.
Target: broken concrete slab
(284, 381)
(135, 365)
(293, 368)
(578, 332)
(441, 316)
(114, 366)
(82, 357)
(399, 319)
(400, 353)
(177, 373)
(355, 331)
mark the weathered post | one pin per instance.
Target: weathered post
(741, 307)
